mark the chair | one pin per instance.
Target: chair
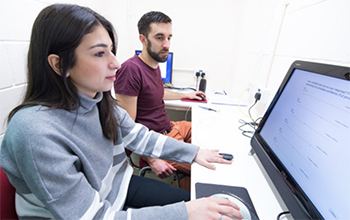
(146, 171)
(7, 198)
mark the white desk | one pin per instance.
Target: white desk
(211, 98)
(219, 130)
(180, 105)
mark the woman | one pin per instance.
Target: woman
(64, 146)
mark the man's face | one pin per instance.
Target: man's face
(158, 41)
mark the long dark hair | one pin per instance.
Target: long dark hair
(59, 29)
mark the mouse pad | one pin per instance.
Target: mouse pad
(206, 190)
(194, 100)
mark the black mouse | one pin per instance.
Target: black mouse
(201, 97)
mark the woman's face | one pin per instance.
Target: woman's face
(95, 66)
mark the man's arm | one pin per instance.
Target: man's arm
(169, 95)
(129, 103)
(160, 167)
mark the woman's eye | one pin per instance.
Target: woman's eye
(99, 54)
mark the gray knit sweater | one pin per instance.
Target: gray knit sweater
(64, 168)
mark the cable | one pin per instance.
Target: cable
(167, 86)
(254, 123)
(257, 97)
(239, 102)
(250, 115)
(197, 75)
(187, 113)
(282, 213)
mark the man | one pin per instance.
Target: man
(140, 91)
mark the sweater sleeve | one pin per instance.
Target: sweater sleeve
(175, 211)
(49, 179)
(140, 140)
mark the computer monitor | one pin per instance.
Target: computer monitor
(303, 141)
(166, 68)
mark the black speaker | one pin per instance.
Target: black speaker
(202, 85)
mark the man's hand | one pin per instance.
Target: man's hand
(169, 95)
(160, 167)
(195, 95)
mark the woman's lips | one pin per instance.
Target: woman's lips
(112, 78)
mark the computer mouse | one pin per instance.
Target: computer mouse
(201, 97)
(243, 208)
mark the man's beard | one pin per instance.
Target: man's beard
(155, 55)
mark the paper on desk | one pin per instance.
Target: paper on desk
(224, 100)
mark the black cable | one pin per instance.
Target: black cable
(257, 97)
(254, 123)
(178, 88)
(170, 86)
(250, 115)
(282, 213)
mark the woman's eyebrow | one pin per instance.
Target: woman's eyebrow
(99, 45)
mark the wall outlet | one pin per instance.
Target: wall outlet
(265, 96)
(253, 88)
(200, 73)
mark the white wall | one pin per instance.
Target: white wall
(16, 20)
(235, 41)
(311, 30)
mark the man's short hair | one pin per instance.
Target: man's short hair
(144, 24)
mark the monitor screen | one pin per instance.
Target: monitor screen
(303, 141)
(166, 68)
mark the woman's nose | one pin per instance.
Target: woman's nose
(115, 64)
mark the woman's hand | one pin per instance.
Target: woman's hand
(212, 208)
(205, 157)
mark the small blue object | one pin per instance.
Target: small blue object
(206, 108)
(220, 92)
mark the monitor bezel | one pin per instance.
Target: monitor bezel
(169, 68)
(293, 196)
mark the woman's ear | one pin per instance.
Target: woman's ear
(54, 62)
